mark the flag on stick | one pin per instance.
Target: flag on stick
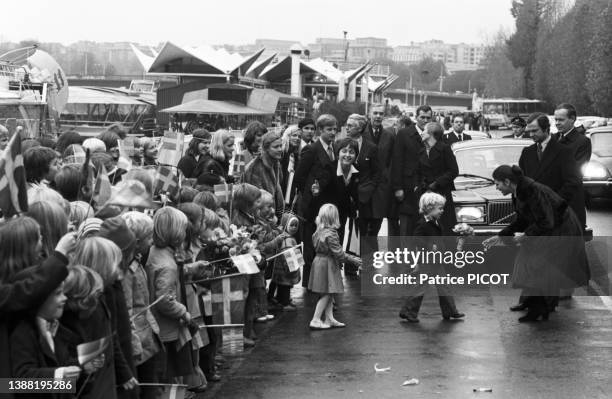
(171, 149)
(223, 192)
(166, 181)
(227, 299)
(88, 351)
(245, 264)
(237, 164)
(102, 188)
(294, 258)
(13, 190)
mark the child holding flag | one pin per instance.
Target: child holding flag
(283, 278)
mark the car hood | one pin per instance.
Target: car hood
(471, 194)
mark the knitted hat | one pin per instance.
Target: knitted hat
(116, 230)
(89, 227)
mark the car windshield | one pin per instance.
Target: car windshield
(482, 161)
(602, 143)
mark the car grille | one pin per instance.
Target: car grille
(501, 213)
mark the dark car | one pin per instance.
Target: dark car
(597, 178)
(477, 202)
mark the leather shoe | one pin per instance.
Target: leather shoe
(408, 317)
(454, 316)
(518, 308)
(213, 378)
(198, 389)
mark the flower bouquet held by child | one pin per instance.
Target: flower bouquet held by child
(463, 229)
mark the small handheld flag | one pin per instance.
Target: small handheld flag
(223, 192)
(293, 257)
(88, 351)
(166, 181)
(13, 191)
(245, 264)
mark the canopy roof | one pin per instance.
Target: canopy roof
(268, 99)
(282, 70)
(99, 95)
(204, 60)
(214, 107)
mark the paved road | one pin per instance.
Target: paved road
(567, 357)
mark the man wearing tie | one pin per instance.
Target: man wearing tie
(551, 164)
(518, 125)
(456, 134)
(383, 203)
(580, 145)
(314, 181)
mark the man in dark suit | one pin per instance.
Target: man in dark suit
(456, 134)
(568, 135)
(383, 204)
(518, 125)
(405, 161)
(549, 163)
(369, 175)
(314, 182)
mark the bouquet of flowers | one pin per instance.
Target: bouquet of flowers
(221, 247)
(463, 229)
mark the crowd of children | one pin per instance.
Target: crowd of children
(76, 271)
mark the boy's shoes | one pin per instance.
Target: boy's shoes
(454, 316)
(269, 317)
(248, 343)
(198, 389)
(319, 325)
(408, 317)
(213, 378)
(261, 319)
(518, 308)
(274, 305)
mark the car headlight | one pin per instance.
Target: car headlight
(470, 214)
(594, 170)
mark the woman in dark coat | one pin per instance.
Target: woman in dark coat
(265, 170)
(346, 182)
(551, 255)
(436, 171)
(215, 168)
(197, 153)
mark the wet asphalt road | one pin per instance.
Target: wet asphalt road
(569, 356)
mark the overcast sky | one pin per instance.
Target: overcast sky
(194, 22)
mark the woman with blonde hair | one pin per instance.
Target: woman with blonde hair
(325, 277)
(53, 224)
(215, 170)
(105, 257)
(85, 319)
